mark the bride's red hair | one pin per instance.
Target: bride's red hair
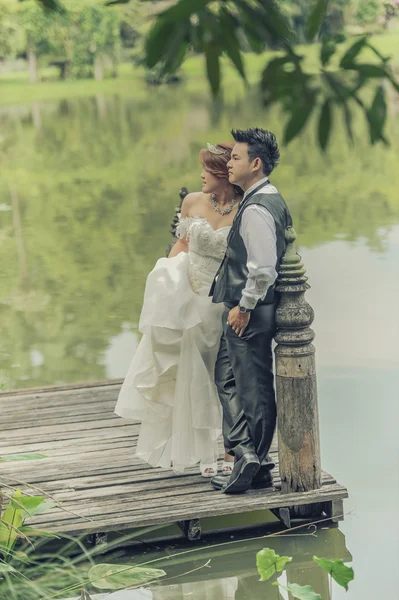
(217, 163)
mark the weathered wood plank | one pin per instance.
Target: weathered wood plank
(159, 499)
(224, 506)
(81, 386)
(42, 415)
(58, 398)
(92, 469)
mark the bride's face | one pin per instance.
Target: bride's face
(210, 183)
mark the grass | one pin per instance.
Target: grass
(15, 88)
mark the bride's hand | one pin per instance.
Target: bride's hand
(238, 321)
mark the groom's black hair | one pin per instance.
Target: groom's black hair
(261, 144)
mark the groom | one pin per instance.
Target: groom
(245, 283)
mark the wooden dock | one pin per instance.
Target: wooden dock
(101, 486)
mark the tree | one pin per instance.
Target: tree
(368, 11)
(297, 12)
(98, 36)
(6, 31)
(35, 22)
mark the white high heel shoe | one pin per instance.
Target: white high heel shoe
(227, 467)
(209, 470)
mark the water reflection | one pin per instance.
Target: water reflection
(228, 572)
(88, 189)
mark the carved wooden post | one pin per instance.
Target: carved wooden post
(183, 193)
(297, 411)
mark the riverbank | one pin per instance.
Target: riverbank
(15, 88)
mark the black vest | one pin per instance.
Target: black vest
(232, 275)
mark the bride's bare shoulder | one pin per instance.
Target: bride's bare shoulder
(192, 202)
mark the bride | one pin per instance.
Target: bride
(170, 383)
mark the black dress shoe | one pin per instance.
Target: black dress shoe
(243, 472)
(263, 479)
(219, 481)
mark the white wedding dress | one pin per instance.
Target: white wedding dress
(170, 383)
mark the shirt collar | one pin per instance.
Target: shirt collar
(255, 185)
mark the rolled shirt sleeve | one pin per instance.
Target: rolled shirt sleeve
(258, 231)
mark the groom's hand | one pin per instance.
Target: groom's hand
(238, 320)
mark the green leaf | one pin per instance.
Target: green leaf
(301, 592)
(29, 503)
(159, 40)
(315, 19)
(325, 123)
(369, 71)
(352, 52)
(51, 5)
(299, 117)
(327, 50)
(230, 41)
(337, 569)
(115, 577)
(183, 9)
(376, 116)
(348, 120)
(41, 508)
(11, 521)
(28, 456)
(268, 563)
(213, 67)
(112, 2)
(274, 20)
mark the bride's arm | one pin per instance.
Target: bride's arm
(180, 246)
(182, 243)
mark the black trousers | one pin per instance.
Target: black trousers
(244, 379)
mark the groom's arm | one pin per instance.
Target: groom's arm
(258, 231)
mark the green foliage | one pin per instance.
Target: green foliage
(35, 23)
(77, 35)
(285, 80)
(368, 11)
(116, 577)
(268, 563)
(325, 123)
(6, 31)
(315, 19)
(18, 457)
(12, 528)
(342, 574)
(301, 592)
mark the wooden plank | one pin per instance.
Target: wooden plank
(43, 413)
(92, 469)
(254, 500)
(140, 500)
(82, 385)
(73, 429)
(23, 445)
(11, 425)
(53, 400)
(68, 448)
(207, 504)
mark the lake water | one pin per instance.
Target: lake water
(88, 189)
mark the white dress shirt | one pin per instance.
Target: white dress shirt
(258, 231)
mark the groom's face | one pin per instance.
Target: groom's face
(239, 166)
